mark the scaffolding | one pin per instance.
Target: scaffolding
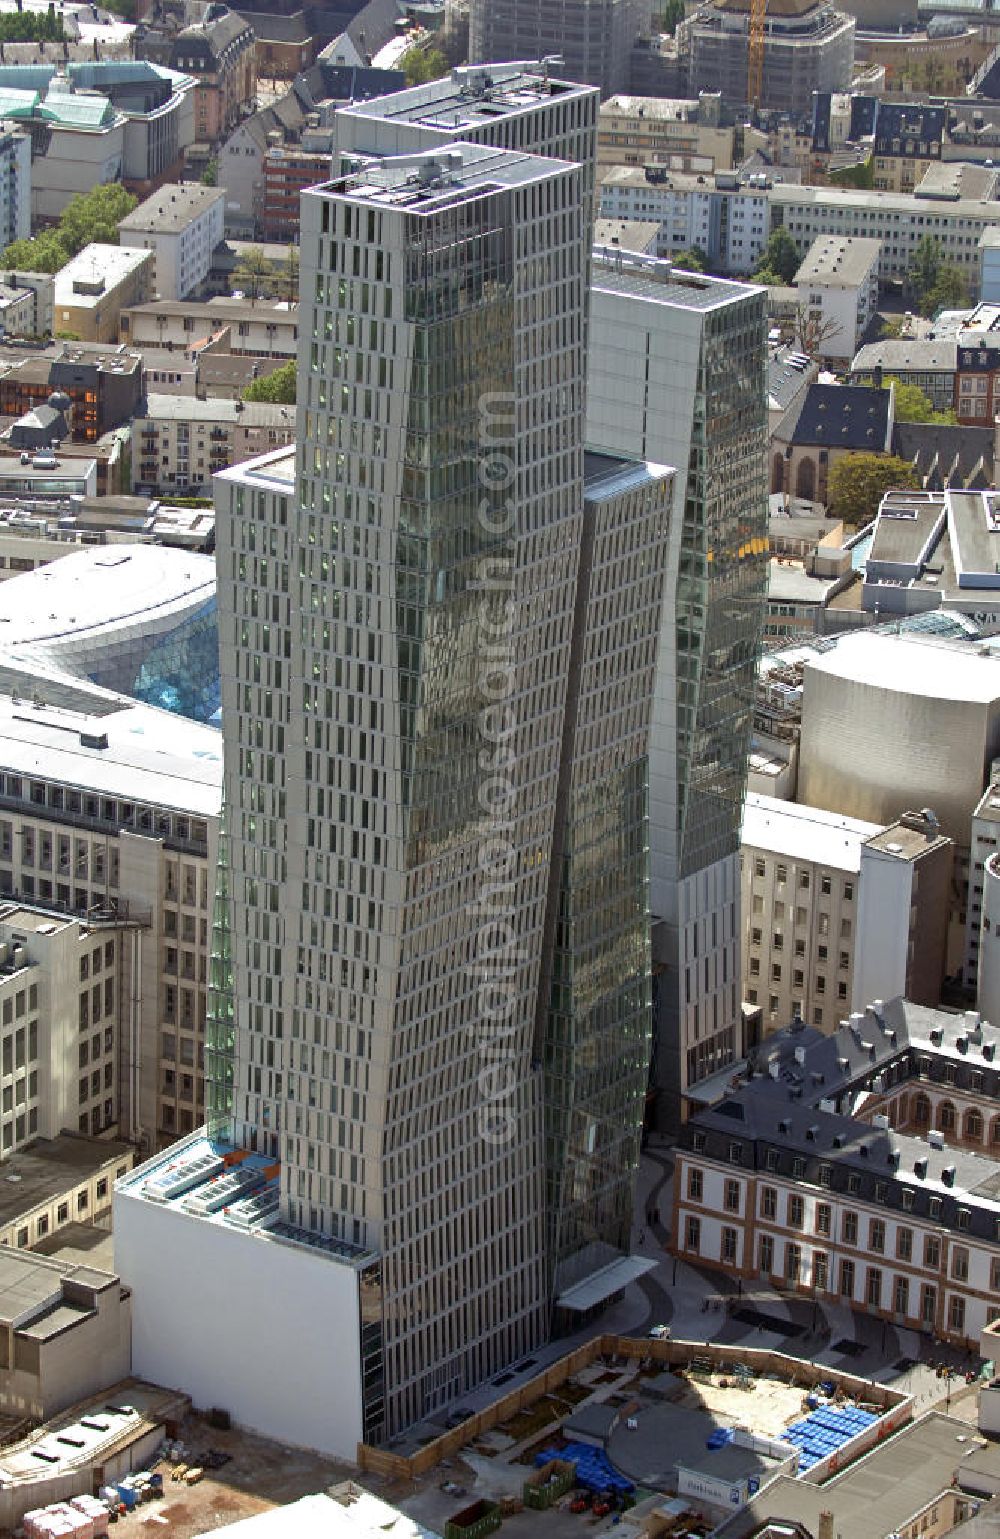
(755, 52)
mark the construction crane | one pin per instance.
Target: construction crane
(755, 52)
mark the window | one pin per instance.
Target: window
(735, 1154)
(974, 1125)
(904, 1244)
(695, 1183)
(796, 1212)
(821, 1271)
(793, 1262)
(732, 1197)
(766, 1255)
(822, 1218)
(995, 1275)
(850, 1229)
(873, 1287)
(932, 1251)
(901, 1296)
(876, 1237)
(692, 1233)
(847, 1279)
(62, 1213)
(956, 1313)
(854, 1183)
(960, 1264)
(729, 1244)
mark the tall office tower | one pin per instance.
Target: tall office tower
(595, 1036)
(676, 374)
(592, 38)
(439, 627)
(518, 106)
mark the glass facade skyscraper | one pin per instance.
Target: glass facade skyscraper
(438, 654)
(676, 373)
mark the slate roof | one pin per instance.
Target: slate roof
(844, 417)
(947, 456)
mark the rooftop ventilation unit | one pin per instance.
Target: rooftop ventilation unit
(935, 1138)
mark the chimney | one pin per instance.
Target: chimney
(877, 382)
(825, 1530)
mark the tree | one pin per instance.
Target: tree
(423, 64)
(693, 260)
(934, 283)
(911, 404)
(779, 259)
(45, 254)
(252, 272)
(812, 332)
(671, 15)
(279, 387)
(95, 216)
(950, 292)
(31, 27)
(210, 175)
(858, 482)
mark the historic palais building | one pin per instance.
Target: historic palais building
(860, 1168)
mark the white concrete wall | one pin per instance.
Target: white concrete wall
(883, 930)
(988, 991)
(268, 1331)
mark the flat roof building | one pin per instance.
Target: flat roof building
(95, 286)
(181, 223)
(65, 1333)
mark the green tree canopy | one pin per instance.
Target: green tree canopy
(31, 27)
(671, 14)
(423, 64)
(779, 260)
(90, 216)
(934, 283)
(858, 482)
(693, 260)
(253, 272)
(95, 215)
(913, 405)
(278, 387)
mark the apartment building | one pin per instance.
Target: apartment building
(836, 908)
(837, 286)
(180, 442)
(261, 330)
(95, 286)
(62, 1009)
(727, 219)
(857, 1168)
(103, 386)
(62, 1180)
(220, 55)
(15, 184)
(898, 220)
(650, 130)
(181, 225)
(288, 171)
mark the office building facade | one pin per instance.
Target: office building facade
(592, 38)
(676, 369)
(439, 630)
